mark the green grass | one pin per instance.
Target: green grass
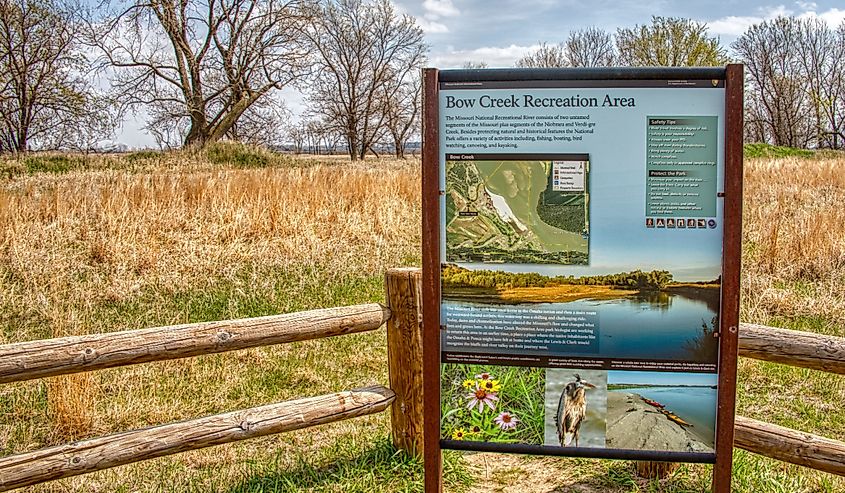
(350, 466)
(236, 155)
(761, 150)
(144, 155)
(53, 164)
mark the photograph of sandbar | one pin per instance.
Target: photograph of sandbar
(661, 411)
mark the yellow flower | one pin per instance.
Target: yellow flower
(490, 385)
(459, 434)
(468, 384)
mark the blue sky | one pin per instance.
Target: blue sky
(661, 378)
(499, 32)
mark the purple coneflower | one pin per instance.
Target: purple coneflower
(480, 397)
(484, 376)
(506, 421)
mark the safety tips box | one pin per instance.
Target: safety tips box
(581, 266)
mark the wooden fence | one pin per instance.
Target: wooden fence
(39, 359)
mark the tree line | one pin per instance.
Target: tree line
(198, 71)
(459, 277)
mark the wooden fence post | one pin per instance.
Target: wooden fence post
(404, 356)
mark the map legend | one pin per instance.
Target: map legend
(569, 176)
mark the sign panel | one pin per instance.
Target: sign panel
(581, 236)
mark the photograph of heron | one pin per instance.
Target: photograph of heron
(661, 411)
(487, 403)
(575, 408)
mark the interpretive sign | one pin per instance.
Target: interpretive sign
(583, 293)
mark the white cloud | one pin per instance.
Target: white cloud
(734, 25)
(439, 8)
(832, 17)
(435, 12)
(431, 27)
(493, 56)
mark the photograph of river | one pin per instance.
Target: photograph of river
(650, 325)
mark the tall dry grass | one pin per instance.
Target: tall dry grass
(74, 244)
(794, 239)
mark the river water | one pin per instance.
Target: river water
(647, 326)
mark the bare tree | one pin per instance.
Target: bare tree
(297, 136)
(822, 62)
(401, 114)
(202, 65)
(546, 56)
(96, 122)
(777, 103)
(837, 83)
(669, 42)
(263, 124)
(44, 93)
(365, 52)
(590, 47)
(471, 65)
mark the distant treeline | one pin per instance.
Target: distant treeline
(458, 277)
(624, 386)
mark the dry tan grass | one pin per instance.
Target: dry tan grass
(123, 231)
(794, 239)
(71, 244)
(74, 246)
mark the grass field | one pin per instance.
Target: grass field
(110, 243)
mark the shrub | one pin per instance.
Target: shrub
(237, 155)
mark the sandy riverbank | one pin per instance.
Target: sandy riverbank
(632, 424)
(551, 294)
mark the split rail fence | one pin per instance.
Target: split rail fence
(62, 356)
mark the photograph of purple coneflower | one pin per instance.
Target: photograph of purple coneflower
(485, 403)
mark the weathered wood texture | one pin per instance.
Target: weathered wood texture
(792, 347)
(132, 446)
(404, 356)
(788, 445)
(51, 357)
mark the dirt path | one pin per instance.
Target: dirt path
(507, 473)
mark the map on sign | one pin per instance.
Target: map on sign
(517, 211)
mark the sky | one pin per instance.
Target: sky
(660, 378)
(498, 32)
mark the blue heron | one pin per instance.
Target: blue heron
(571, 410)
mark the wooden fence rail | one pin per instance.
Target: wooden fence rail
(784, 444)
(37, 359)
(132, 446)
(793, 347)
(51, 357)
